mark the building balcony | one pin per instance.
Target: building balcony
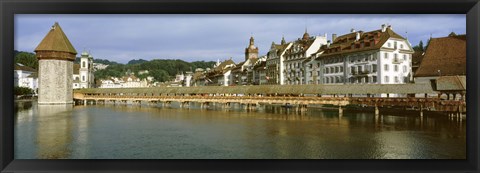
(358, 73)
(397, 61)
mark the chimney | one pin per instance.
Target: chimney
(357, 36)
(384, 27)
(328, 43)
(352, 30)
(334, 37)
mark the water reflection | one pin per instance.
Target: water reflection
(271, 132)
(54, 131)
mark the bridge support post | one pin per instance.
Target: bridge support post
(377, 112)
(340, 110)
(421, 110)
(85, 102)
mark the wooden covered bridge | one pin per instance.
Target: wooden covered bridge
(416, 96)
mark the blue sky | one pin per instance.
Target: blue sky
(209, 37)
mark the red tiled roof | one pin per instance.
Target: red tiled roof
(444, 56)
(347, 43)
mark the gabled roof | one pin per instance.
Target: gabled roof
(304, 44)
(56, 40)
(452, 83)
(224, 64)
(444, 56)
(24, 68)
(371, 41)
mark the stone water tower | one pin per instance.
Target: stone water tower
(55, 56)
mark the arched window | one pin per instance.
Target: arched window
(83, 64)
(83, 78)
(385, 67)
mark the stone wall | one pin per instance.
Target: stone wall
(55, 82)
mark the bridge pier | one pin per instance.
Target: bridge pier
(85, 102)
(377, 112)
(421, 110)
(340, 110)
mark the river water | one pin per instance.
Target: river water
(271, 132)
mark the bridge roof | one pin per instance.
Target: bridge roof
(280, 89)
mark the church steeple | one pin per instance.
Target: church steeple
(305, 35)
(283, 40)
(251, 51)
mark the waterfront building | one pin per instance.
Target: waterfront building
(55, 56)
(198, 78)
(445, 56)
(220, 74)
(259, 71)
(242, 73)
(274, 63)
(25, 76)
(298, 53)
(128, 81)
(376, 57)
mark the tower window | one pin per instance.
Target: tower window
(83, 64)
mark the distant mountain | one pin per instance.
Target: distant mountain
(102, 61)
(161, 69)
(134, 61)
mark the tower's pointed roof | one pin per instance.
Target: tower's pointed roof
(56, 40)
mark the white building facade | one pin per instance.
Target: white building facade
(300, 52)
(86, 76)
(376, 57)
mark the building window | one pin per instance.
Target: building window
(336, 69)
(374, 79)
(396, 79)
(352, 70)
(374, 67)
(83, 64)
(395, 45)
(326, 70)
(83, 78)
(310, 74)
(395, 56)
(385, 67)
(386, 79)
(405, 57)
(341, 68)
(404, 68)
(389, 45)
(386, 55)
(401, 46)
(395, 67)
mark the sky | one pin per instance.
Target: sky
(209, 37)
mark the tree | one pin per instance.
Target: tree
(27, 59)
(22, 91)
(419, 47)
